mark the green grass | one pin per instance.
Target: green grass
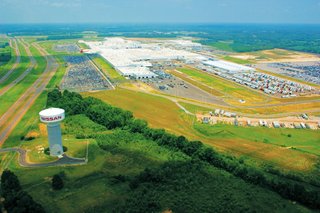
(16, 91)
(6, 65)
(236, 60)
(195, 109)
(163, 113)
(94, 179)
(230, 89)
(281, 137)
(58, 76)
(222, 45)
(23, 65)
(83, 45)
(107, 69)
(94, 183)
(28, 123)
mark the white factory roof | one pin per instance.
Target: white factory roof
(134, 57)
(185, 43)
(228, 66)
(138, 72)
(51, 112)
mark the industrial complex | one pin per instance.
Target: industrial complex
(143, 60)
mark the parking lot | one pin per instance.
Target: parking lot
(82, 75)
(69, 48)
(307, 71)
(177, 87)
(292, 122)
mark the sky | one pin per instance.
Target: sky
(160, 11)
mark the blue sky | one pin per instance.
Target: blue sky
(163, 11)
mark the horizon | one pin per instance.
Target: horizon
(166, 11)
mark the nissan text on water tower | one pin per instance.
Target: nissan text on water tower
(52, 117)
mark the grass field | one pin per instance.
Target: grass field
(23, 65)
(231, 91)
(159, 112)
(7, 55)
(222, 45)
(236, 60)
(260, 145)
(28, 123)
(96, 179)
(14, 93)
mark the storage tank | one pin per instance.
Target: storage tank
(52, 117)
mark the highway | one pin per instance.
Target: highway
(14, 114)
(24, 74)
(16, 63)
(64, 161)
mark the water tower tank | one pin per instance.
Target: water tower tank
(52, 117)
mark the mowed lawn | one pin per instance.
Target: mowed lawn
(263, 145)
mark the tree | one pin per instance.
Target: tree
(9, 183)
(57, 182)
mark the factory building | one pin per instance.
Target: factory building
(133, 59)
(227, 66)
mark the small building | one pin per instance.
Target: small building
(303, 126)
(263, 123)
(308, 126)
(163, 87)
(205, 120)
(227, 114)
(305, 116)
(297, 126)
(217, 112)
(236, 122)
(276, 124)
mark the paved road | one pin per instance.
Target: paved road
(60, 162)
(16, 63)
(15, 113)
(24, 74)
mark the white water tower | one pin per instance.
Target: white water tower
(52, 117)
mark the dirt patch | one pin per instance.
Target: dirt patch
(43, 129)
(277, 55)
(33, 134)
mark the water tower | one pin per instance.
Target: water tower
(52, 117)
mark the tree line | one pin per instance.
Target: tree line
(113, 117)
(15, 199)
